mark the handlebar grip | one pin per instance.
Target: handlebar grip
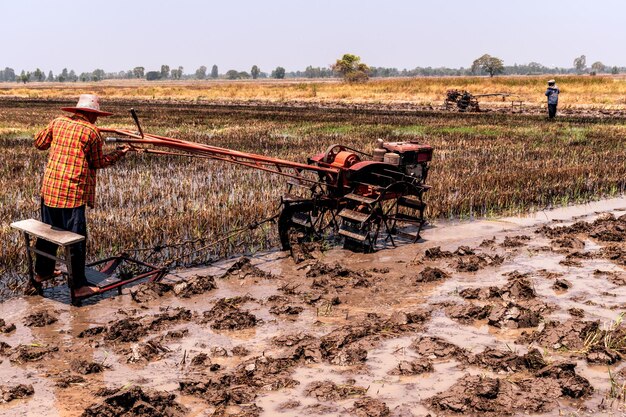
(111, 140)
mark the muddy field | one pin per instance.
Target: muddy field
(491, 163)
(514, 316)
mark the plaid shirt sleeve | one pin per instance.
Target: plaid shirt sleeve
(43, 140)
(75, 153)
(96, 158)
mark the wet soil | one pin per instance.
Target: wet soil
(505, 317)
(134, 402)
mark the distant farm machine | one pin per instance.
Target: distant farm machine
(465, 101)
(360, 196)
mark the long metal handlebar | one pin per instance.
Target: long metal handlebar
(265, 163)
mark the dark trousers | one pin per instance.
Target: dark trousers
(73, 220)
(551, 110)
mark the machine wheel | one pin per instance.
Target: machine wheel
(365, 217)
(304, 221)
(331, 152)
(287, 227)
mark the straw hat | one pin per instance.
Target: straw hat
(551, 82)
(87, 103)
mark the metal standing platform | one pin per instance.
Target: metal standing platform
(102, 274)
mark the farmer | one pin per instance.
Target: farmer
(69, 183)
(553, 98)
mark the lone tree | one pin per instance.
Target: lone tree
(96, 75)
(63, 75)
(214, 72)
(278, 73)
(165, 71)
(489, 64)
(255, 71)
(351, 69)
(201, 73)
(153, 75)
(39, 75)
(580, 64)
(232, 75)
(24, 77)
(598, 67)
(138, 72)
(177, 74)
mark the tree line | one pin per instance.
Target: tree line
(348, 67)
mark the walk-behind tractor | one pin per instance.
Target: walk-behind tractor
(356, 194)
(342, 192)
(465, 101)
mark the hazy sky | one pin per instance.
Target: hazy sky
(120, 34)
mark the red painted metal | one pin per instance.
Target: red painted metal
(229, 155)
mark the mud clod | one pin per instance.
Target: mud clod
(614, 278)
(218, 392)
(485, 396)
(134, 402)
(615, 254)
(226, 315)
(464, 251)
(467, 313)
(343, 346)
(265, 372)
(150, 291)
(168, 317)
(197, 284)
(436, 253)
(66, 381)
(15, 392)
(31, 353)
(473, 263)
(518, 287)
(513, 316)
(40, 319)
(148, 351)
(369, 407)
(286, 309)
(487, 243)
(515, 241)
(484, 293)
(555, 335)
(431, 275)
(6, 328)
(561, 285)
(5, 348)
(240, 351)
(567, 243)
(92, 331)
(329, 391)
(576, 312)
(336, 276)
(125, 330)
(572, 385)
(415, 367)
(437, 348)
(243, 268)
(507, 361)
(200, 360)
(85, 367)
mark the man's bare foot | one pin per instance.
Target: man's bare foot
(86, 291)
(41, 278)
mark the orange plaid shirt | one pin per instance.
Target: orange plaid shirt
(75, 153)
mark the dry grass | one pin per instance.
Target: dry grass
(484, 164)
(577, 91)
